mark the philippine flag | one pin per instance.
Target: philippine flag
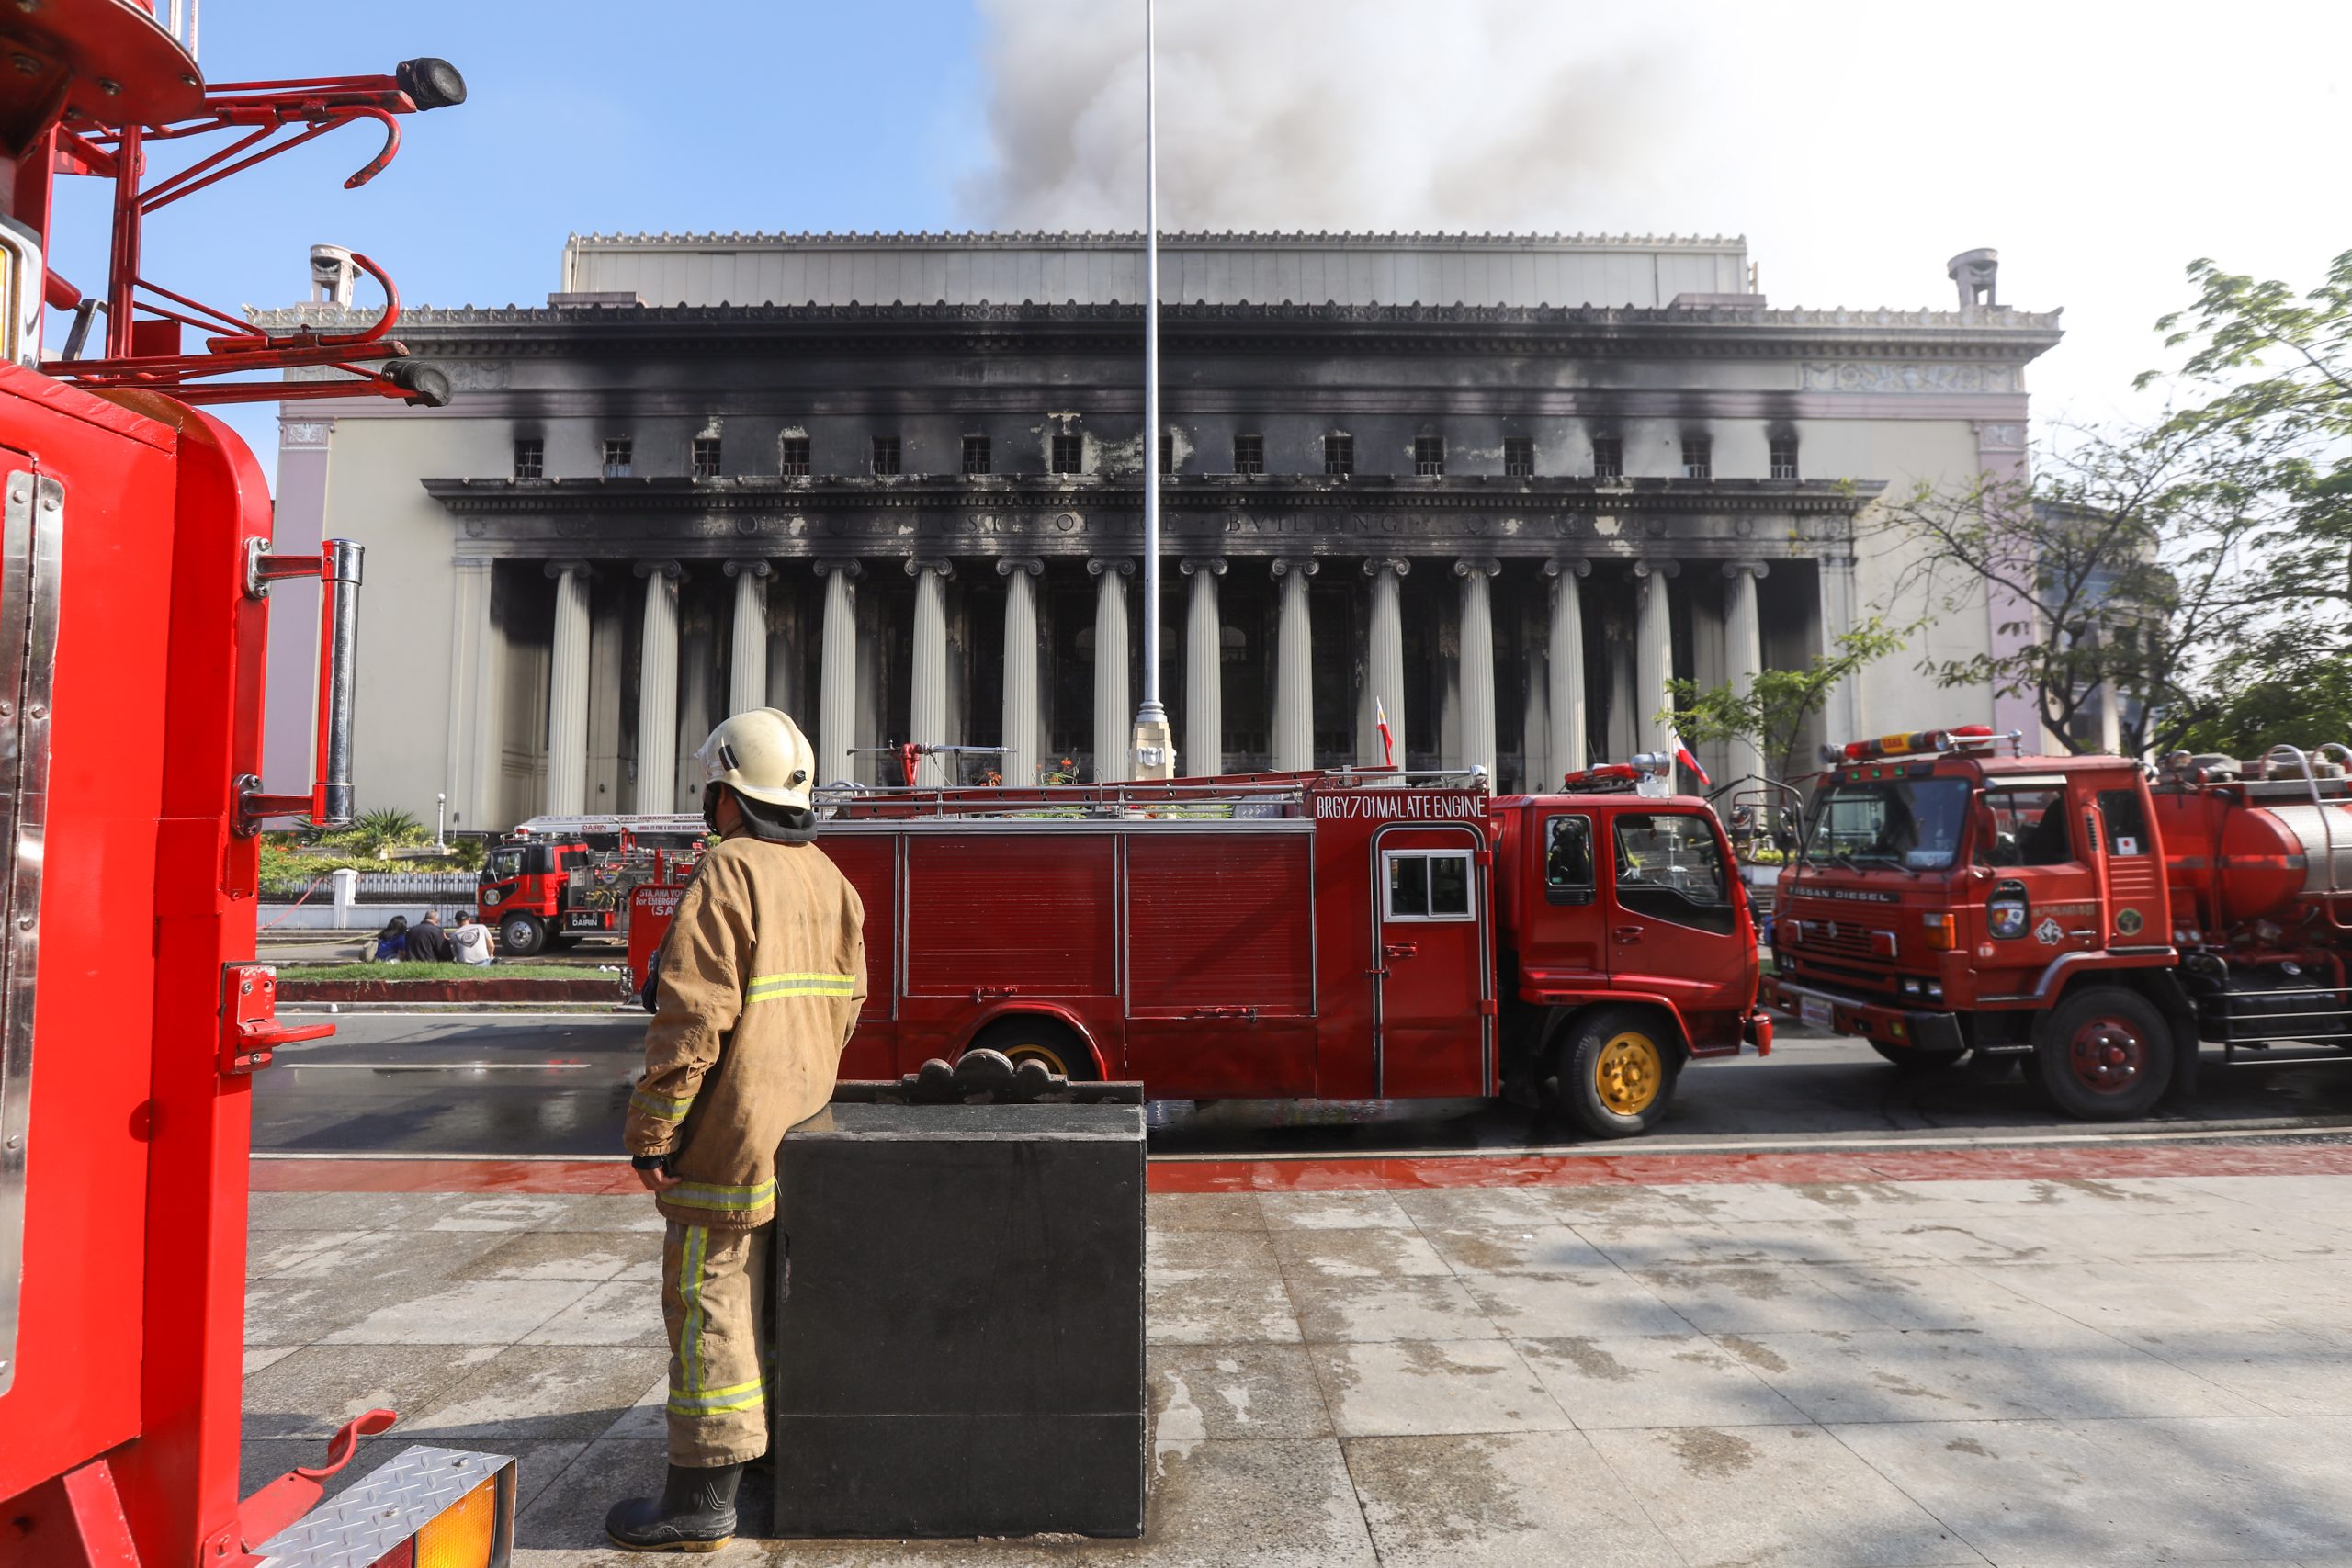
(1387, 740)
(1682, 755)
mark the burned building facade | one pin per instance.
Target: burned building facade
(1500, 488)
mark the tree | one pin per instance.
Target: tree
(2295, 691)
(1772, 713)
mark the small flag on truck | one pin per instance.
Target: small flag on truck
(1387, 740)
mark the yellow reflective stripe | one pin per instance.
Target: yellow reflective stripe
(660, 1107)
(690, 1334)
(767, 987)
(711, 1195)
(812, 974)
(752, 1400)
(743, 1395)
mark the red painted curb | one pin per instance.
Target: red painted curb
(1243, 1177)
(603, 989)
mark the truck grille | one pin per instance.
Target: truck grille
(1844, 939)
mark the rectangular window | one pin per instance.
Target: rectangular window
(706, 457)
(792, 456)
(1167, 454)
(1518, 458)
(530, 459)
(977, 458)
(1698, 457)
(1249, 454)
(1784, 457)
(1339, 454)
(1429, 884)
(1670, 867)
(2029, 825)
(617, 452)
(1568, 860)
(885, 454)
(1428, 454)
(1069, 454)
(2126, 824)
(1608, 457)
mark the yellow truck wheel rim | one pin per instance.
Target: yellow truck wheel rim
(1628, 1072)
(1030, 1051)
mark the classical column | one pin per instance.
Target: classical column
(1204, 672)
(1653, 654)
(1563, 681)
(747, 658)
(1021, 733)
(1385, 653)
(927, 704)
(1115, 715)
(1477, 669)
(837, 674)
(1842, 718)
(1293, 670)
(567, 790)
(1743, 656)
(472, 736)
(657, 689)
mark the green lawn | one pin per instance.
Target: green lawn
(499, 971)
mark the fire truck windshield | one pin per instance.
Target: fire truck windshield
(1912, 824)
(502, 865)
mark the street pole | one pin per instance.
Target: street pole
(1155, 747)
(441, 822)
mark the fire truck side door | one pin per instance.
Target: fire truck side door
(1432, 976)
(2045, 894)
(1673, 928)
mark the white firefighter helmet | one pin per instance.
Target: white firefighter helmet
(763, 756)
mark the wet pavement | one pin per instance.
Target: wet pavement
(2028, 1355)
(523, 1084)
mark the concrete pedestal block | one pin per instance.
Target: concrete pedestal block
(959, 1322)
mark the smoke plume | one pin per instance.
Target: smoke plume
(1328, 114)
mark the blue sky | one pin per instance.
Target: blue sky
(580, 116)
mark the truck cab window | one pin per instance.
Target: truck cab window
(1568, 860)
(2126, 822)
(1428, 885)
(1912, 824)
(2029, 826)
(502, 865)
(1670, 867)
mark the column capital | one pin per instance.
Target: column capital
(1282, 566)
(1756, 568)
(1212, 565)
(849, 568)
(1478, 566)
(1103, 566)
(1577, 565)
(669, 569)
(1658, 568)
(1007, 565)
(750, 569)
(569, 567)
(916, 566)
(1377, 565)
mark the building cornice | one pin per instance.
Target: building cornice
(1178, 239)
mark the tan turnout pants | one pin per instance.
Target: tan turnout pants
(714, 1302)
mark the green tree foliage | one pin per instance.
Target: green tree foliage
(1772, 713)
(2292, 691)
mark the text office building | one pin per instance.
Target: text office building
(1507, 485)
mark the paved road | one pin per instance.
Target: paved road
(509, 1084)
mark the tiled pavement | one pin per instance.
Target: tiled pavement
(2126, 1371)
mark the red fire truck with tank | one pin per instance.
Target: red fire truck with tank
(2075, 911)
(555, 879)
(135, 568)
(1333, 936)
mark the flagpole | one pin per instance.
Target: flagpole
(1155, 750)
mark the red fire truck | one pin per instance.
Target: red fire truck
(135, 565)
(1337, 936)
(555, 879)
(1948, 899)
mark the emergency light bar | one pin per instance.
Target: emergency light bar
(1618, 778)
(1920, 742)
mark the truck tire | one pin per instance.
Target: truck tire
(1027, 1039)
(1911, 1059)
(1613, 1071)
(2104, 1054)
(521, 935)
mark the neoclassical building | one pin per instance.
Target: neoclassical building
(1506, 485)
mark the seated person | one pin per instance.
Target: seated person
(471, 941)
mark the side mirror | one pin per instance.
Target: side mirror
(1784, 832)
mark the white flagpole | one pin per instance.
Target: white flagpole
(1154, 746)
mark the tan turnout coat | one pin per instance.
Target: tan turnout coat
(762, 974)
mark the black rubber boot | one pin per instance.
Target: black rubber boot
(696, 1512)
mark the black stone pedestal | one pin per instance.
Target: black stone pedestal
(961, 1349)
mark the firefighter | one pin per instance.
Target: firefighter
(759, 984)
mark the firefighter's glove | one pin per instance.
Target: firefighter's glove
(653, 1171)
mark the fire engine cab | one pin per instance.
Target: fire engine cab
(555, 879)
(2071, 911)
(1333, 936)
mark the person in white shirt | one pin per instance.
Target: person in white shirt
(472, 939)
